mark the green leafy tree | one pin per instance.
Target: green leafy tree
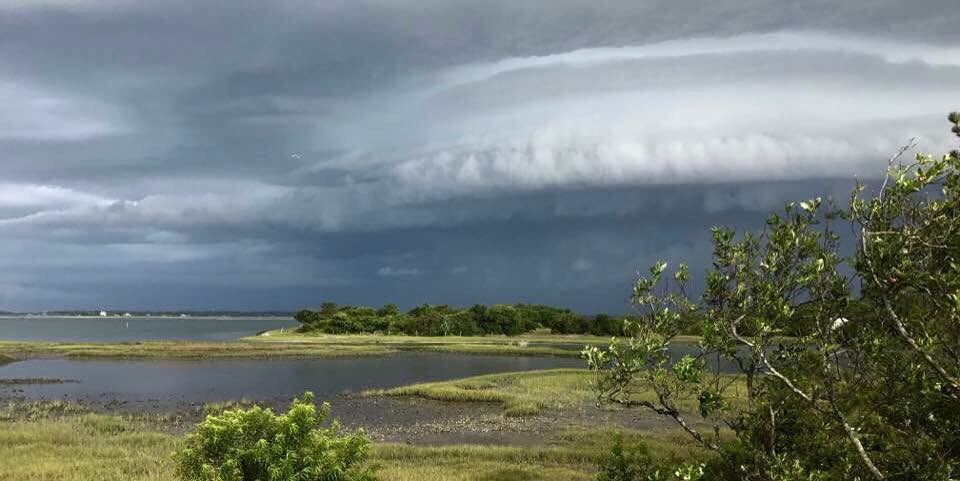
(867, 385)
(257, 445)
(328, 309)
(388, 310)
(504, 319)
(306, 317)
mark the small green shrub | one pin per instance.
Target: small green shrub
(634, 462)
(257, 445)
(624, 463)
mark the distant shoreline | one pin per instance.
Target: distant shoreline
(158, 316)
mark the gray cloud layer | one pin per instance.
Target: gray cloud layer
(174, 154)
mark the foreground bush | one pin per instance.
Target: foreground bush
(257, 445)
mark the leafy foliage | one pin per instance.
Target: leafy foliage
(257, 445)
(841, 383)
(634, 462)
(443, 320)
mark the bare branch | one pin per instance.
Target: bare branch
(674, 414)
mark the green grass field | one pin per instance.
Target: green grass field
(58, 441)
(525, 393)
(571, 340)
(262, 348)
(531, 344)
(520, 394)
(284, 343)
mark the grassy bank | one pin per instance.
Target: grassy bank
(559, 345)
(284, 343)
(524, 393)
(63, 442)
(571, 340)
(274, 348)
(520, 394)
(187, 350)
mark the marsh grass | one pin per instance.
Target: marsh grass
(32, 380)
(482, 463)
(530, 344)
(500, 349)
(520, 394)
(246, 349)
(535, 336)
(37, 410)
(84, 447)
(527, 393)
(572, 456)
(284, 343)
(571, 340)
(60, 441)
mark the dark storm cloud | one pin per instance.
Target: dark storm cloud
(173, 153)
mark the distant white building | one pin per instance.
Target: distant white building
(127, 314)
(103, 313)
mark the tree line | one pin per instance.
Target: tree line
(444, 320)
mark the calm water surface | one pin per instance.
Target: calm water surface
(119, 329)
(164, 383)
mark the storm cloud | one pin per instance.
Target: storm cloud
(245, 155)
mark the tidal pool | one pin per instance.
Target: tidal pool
(170, 384)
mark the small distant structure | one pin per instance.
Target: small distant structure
(127, 314)
(103, 313)
(183, 315)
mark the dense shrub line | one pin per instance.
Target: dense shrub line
(444, 320)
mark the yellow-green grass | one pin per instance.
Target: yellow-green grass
(573, 455)
(520, 394)
(573, 340)
(187, 349)
(84, 447)
(4, 359)
(286, 343)
(526, 393)
(532, 344)
(499, 349)
(56, 441)
(292, 334)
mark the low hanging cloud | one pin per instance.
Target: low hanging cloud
(46, 196)
(904, 51)
(388, 271)
(35, 115)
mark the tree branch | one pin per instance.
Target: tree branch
(902, 330)
(851, 432)
(673, 413)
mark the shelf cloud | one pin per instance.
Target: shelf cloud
(153, 155)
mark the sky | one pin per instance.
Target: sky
(251, 155)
